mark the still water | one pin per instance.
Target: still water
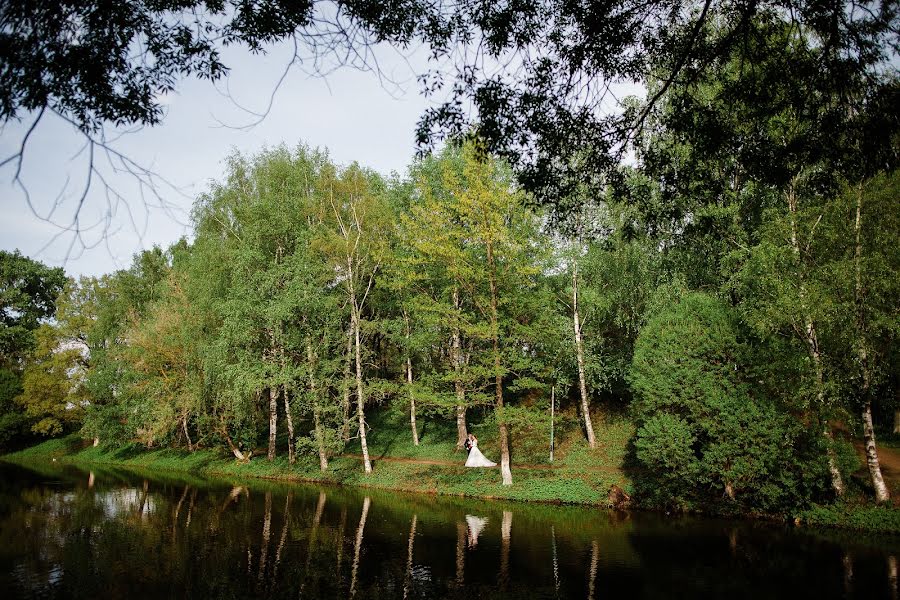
(123, 534)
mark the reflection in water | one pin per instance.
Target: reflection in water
(592, 575)
(124, 536)
(409, 557)
(847, 561)
(266, 533)
(460, 554)
(358, 545)
(313, 535)
(91, 480)
(892, 575)
(284, 532)
(555, 560)
(505, 534)
(476, 525)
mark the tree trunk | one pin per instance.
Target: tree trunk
(505, 471)
(409, 381)
(187, 436)
(579, 351)
(317, 409)
(881, 490)
(360, 395)
(290, 425)
(345, 428)
(897, 421)
(811, 341)
(273, 419)
(234, 449)
(461, 431)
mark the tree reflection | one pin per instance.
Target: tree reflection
(407, 580)
(358, 544)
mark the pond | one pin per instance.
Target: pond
(110, 533)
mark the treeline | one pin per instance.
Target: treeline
(735, 291)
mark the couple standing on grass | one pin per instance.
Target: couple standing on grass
(476, 458)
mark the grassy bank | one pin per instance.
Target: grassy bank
(578, 475)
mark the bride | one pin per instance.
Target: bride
(476, 458)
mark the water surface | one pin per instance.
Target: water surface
(67, 533)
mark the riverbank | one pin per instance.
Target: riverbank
(578, 476)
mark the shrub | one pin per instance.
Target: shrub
(703, 438)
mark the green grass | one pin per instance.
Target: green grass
(882, 519)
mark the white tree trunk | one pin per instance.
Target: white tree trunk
(360, 395)
(811, 341)
(273, 419)
(345, 428)
(461, 430)
(505, 469)
(290, 425)
(409, 381)
(579, 351)
(881, 491)
(317, 410)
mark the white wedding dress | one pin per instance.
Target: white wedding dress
(477, 459)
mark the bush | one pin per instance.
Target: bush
(703, 438)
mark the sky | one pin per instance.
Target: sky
(350, 112)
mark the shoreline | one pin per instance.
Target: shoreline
(546, 485)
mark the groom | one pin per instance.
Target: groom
(468, 443)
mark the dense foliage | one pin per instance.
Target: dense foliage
(735, 288)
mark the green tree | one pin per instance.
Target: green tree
(701, 433)
(28, 293)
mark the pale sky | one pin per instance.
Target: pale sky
(350, 112)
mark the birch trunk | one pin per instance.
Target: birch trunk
(461, 430)
(579, 351)
(505, 471)
(881, 490)
(345, 428)
(360, 395)
(811, 341)
(187, 436)
(409, 381)
(273, 420)
(317, 409)
(290, 425)
(234, 449)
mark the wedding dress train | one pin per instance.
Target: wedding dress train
(477, 459)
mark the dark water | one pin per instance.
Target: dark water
(120, 534)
